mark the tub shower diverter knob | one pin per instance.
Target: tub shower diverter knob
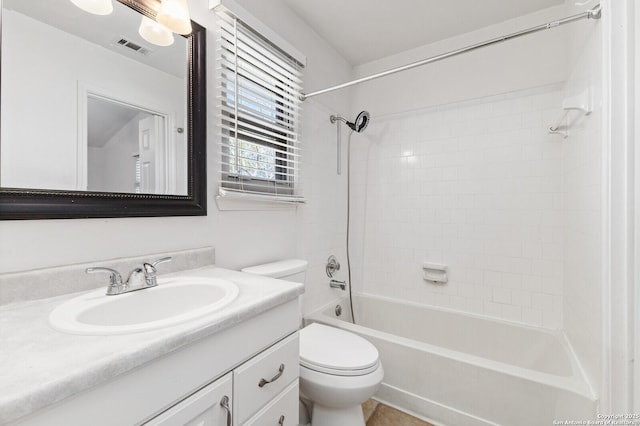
(332, 266)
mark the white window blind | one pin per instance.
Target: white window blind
(259, 111)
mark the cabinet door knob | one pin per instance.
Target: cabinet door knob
(273, 379)
(224, 403)
(281, 421)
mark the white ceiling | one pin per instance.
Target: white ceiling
(366, 30)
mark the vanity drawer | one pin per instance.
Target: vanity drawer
(262, 378)
(204, 408)
(282, 411)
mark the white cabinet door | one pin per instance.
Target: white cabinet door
(204, 408)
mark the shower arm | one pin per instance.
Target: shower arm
(594, 13)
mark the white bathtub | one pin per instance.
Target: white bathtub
(455, 369)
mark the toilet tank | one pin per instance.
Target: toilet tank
(288, 270)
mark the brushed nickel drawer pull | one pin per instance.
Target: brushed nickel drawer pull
(274, 378)
(224, 403)
(281, 421)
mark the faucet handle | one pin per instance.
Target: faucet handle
(150, 270)
(115, 279)
(162, 260)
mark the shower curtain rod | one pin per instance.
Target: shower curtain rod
(594, 13)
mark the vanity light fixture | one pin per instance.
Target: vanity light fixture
(155, 33)
(97, 7)
(174, 15)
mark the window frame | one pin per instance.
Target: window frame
(237, 110)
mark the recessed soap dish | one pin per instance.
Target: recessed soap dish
(435, 273)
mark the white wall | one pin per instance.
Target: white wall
(619, 219)
(44, 133)
(635, 406)
(240, 238)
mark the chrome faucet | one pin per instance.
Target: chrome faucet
(342, 285)
(139, 278)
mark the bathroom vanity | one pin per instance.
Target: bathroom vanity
(236, 366)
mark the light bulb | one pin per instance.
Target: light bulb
(174, 15)
(155, 33)
(97, 7)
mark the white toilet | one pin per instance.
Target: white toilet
(339, 370)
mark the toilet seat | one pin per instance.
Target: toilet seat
(337, 352)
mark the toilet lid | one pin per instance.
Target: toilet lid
(334, 351)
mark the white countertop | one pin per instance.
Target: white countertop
(40, 366)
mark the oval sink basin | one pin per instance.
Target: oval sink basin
(173, 301)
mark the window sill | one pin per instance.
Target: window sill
(234, 201)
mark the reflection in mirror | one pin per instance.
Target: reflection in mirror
(54, 76)
(88, 104)
(128, 150)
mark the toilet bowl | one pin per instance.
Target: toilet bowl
(339, 370)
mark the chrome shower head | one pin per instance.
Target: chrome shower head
(361, 122)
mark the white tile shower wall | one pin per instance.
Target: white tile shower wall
(474, 185)
(321, 221)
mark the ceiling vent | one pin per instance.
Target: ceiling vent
(128, 44)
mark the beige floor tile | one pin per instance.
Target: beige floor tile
(368, 408)
(387, 416)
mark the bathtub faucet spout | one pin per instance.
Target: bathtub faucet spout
(342, 285)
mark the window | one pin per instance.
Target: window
(259, 112)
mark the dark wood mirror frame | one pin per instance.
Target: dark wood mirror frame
(18, 203)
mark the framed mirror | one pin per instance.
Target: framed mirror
(96, 121)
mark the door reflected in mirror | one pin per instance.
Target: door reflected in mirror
(88, 104)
